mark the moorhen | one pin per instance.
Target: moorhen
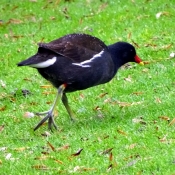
(76, 62)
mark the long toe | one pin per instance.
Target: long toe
(72, 118)
(42, 121)
(50, 118)
(42, 113)
(52, 122)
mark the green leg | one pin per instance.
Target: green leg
(65, 102)
(50, 113)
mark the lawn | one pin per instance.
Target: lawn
(126, 126)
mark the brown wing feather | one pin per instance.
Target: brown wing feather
(75, 46)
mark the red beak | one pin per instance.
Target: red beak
(138, 60)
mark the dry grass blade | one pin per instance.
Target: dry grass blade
(172, 122)
(2, 128)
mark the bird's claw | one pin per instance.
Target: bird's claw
(50, 118)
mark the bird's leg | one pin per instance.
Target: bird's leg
(65, 102)
(50, 112)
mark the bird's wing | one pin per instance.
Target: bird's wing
(78, 47)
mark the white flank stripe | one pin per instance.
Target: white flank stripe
(88, 62)
(81, 65)
(44, 64)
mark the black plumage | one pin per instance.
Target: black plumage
(76, 62)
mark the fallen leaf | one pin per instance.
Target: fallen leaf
(147, 62)
(17, 36)
(52, 18)
(45, 153)
(14, 8)
(88, 169)
(126, 104)
(8, 156)
(166, 46)
(145, 70)
(45, 86)
(129, 79)
(3, 148)
(133, 162)
(58, 161)
(112, 165)
(107, 151)
(81, 169)
(46, 134)
(136, 45)
(21, 149)
(138, 120)
(132, 146)
(40, 167)
(2, 108)
(102, 7)
(109, 167)
(51, 146)
(65, 11)
(103, 94)
(172, 55)
(127, 66)
(158, 100)
(99, 139)
(150, 45)
(110, 157)
(77, 153)
(159, 14)
(6, 35)
(108, 100)
(29, 114)
(122, 132)
(137, 93)
(33, 103)
(97, 108)
(129, 35)
(164, 139)
(63, 148)
(82, 96)
(14, 21)
(164, 118)
(106, 137)
(3, 85)
(76, 168)
(43, 157)
(0, 161)
(27, 79)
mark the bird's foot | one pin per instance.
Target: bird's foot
(50, 117)
(72, 118)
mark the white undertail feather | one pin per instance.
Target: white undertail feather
(44, 64)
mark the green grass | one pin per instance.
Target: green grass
(138, 130)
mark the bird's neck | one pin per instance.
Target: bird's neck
(116, 56)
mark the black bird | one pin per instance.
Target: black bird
(76, 62)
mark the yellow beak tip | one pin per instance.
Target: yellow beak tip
(141, 63)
